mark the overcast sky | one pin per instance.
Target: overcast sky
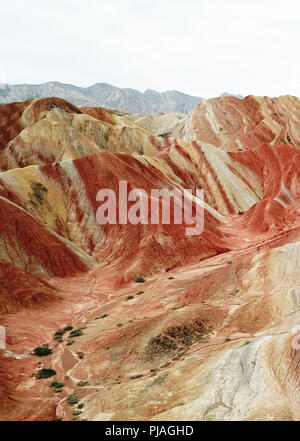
(201, 47)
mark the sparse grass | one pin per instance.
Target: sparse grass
(45, 373)
(38, 193)
(42, 351)
(72, 399)
(139, 279)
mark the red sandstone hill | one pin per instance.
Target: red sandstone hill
(212, 333)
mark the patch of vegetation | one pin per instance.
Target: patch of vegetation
(72, 399)
(135, 376)
(103, 316)
(58, 338)
(229, 262)
(38, 193)
(119, 325)
(139, 279)
(80, 406)
(57, 384)
(129, 297)
(76, 332)
(45, 373)
(68, 328)
(80, 355)
(70, 342)
(42, 351)
(77, 412)
(139, 293)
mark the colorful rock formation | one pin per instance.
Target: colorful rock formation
(212, 332)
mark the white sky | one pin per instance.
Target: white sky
(201, 47)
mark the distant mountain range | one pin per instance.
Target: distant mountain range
(104, 95)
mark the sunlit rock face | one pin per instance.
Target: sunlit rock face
(213, 333)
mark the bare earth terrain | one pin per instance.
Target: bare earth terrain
(212, 333)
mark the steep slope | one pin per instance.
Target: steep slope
(212, 333)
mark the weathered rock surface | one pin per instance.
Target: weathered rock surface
(214, 332)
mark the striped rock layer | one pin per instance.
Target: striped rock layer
(213, 333)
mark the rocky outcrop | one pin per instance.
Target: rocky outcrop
(102, 94)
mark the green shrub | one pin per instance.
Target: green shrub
(82, 383)
(77, 412)
(72, 399)
(139, 293)
(45, 373)
(129, 297)
(57, 384)
(76, 333)
(140, 279)
(68, 328)
(80, 406)
(80, 355)
(103, 316)
(42, 351)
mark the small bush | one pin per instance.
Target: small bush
(72, 399)
(82, 383)
(57, 384)
(139, 293)
(77, 412)
(76, 333)
(103, 316)
(140, 279)
(68, 328)
(45, 373)
(42, 351)
(80, 355)
(80, 406)
(129, 297)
